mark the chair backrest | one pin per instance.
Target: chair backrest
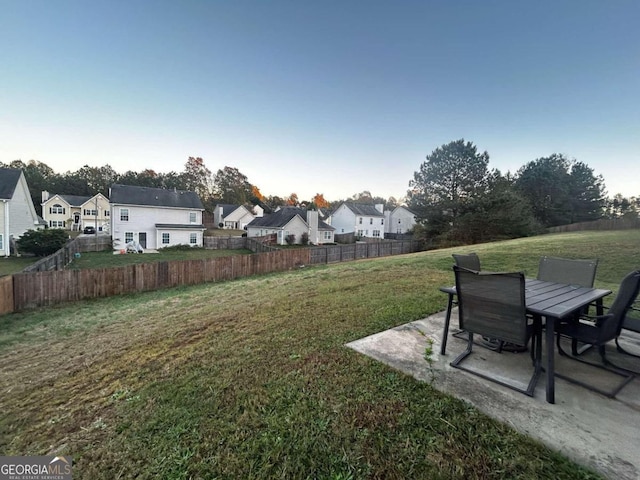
(565, 270)
(492, 304)
(470, 261)
(625, 298)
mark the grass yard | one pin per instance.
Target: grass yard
(108, 259)
(10, 265)
(250, 378)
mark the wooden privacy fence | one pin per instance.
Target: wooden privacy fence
(602, 224)
(39, 289)
(63, 257)
(355, 251)
(6, 295)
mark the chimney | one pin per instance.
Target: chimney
(45, 196)
(312, 221)
(380, 207)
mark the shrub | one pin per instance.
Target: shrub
(304, 238)
(42, 243)
(290, 239)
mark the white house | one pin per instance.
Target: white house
(292, 221)
(399, 220)
(235, 217)
(74, 212)
(155, 217)
(364, 220)
(17, 213)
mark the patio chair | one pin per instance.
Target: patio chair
(470, 261)
(493, 305)
(600, 330)
(565, 270)
(631, 323)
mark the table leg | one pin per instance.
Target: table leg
(447, 320)
(551, 386)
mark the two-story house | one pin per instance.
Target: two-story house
(362, 219)
(155, 217)
(235, 216)
(17, 213)
(400, 220)
(74, 212)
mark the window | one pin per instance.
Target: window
(371, 221)
(57, 209)
(57, 224)
(124, 214)
(1, 243)
(93, 213)
(193, 238)
(107, 213)
(382, 221)
(165, 239)
(192, 217)
(360, 220)
(128, 237)
(376, 233)
(327, 235)
(359, 233)
(399, 230)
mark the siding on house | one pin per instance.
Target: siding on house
(18, 213)
(363, 220)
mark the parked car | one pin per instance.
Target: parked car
(89, 230)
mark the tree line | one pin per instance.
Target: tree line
(458, 199)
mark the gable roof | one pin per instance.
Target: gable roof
(8, 180)
(154, 197)
(228, 208)
(364, 209)
(74, 200)
(283, 216)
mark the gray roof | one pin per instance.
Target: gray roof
(283, 216)
(8, 180)
(364, 209)
(154, 197)
(74, 200)
(227, 208)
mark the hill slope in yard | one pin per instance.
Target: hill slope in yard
(250, 378)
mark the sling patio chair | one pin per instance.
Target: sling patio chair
(631, 323)
(566, 270)
(470, 261)
(493, 305)
(600, 330)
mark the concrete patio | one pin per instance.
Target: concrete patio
(591, 429)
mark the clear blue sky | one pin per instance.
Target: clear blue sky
(335, 97)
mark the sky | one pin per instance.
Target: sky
(326, 96)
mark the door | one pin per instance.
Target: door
(142, 239)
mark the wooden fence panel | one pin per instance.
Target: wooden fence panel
(6, 295)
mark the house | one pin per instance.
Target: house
(292, 221)
(235, 217)
(399, 220)
(155, 217)
(362, 219)
(74, 212)
(17, 213)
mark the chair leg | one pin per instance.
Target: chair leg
(447, 321)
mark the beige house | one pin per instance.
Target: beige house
(75, 212)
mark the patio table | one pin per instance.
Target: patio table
(554, 301)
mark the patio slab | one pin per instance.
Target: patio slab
(591, 429)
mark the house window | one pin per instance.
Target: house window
(376, 233)
(360, 220)
(360, 233)
(88, 212)
(371, 221)
(382, 221)
(124, 214)
(57, 209)
(399, 230)
(327, 235)
(128, 237)
(165, 239)
(57, 224)
(107, 213)
(192, 217)
(193, 238)
(1, 243)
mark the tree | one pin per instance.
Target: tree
(42, 242)
(231, 186)
(256, 194)
(292, 200)
(561, 191)
(447, 183)
(197, 177)
(319, 201)
(97, 179)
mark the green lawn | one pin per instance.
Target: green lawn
(10, 265)
(250, 378)
(108, 259)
